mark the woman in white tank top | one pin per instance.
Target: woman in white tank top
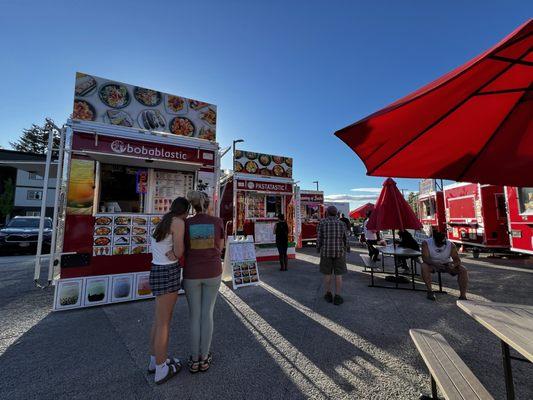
(167, 244)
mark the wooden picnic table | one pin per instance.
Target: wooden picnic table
(512, 324)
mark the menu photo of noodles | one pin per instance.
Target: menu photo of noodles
(249, 162)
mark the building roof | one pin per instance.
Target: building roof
(6, 155)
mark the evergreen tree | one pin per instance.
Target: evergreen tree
(35, 139)
(412, 199)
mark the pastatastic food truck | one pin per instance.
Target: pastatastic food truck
(431, 206)
(476, 215)
(129, 151)
(253, 195)
(311, 212)
(520, 218)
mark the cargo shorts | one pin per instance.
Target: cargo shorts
(333, 265)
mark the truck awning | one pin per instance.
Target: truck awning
(37, 167)
(133, 161)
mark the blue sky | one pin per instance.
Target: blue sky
(284, 74)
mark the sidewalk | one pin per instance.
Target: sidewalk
(276, 341)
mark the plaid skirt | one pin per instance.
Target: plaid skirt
(165, 278)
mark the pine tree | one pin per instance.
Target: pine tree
(35, 139)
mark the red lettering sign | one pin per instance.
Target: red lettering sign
(261, 186)
(137, 148)
(311, 198)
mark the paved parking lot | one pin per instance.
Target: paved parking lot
(279, 340)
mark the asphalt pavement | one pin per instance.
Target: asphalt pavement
(279, 340)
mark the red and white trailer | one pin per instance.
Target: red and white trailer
(253, 195)
(128, 153)
(476, 215)
(431, 206)
(520, 218)
(311, 211)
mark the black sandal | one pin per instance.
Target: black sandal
(194, 366)
(172, 371)
(206, 364)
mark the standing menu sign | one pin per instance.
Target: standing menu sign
(240, 263)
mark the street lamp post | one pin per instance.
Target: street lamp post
(316, 185)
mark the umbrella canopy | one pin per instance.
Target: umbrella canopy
(360, 212)
(392, 211)
(474, 124)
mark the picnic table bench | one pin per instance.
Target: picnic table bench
(452, 376)
(512, 324)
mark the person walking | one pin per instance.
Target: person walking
(167, 243)
(346, 221)
(371, 238)
(332, 243)
(281, 230)
(204, 241)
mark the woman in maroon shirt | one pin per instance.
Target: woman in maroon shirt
(204, 240)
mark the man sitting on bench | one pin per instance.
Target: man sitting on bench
(440, 255)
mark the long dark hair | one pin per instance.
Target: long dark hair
(178, 207)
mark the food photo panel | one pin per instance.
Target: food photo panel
(68, 294)
(122, 287)
(96, 291)
(142, 286)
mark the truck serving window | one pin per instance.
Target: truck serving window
(118, 189)
(525, 200)
(274, 206)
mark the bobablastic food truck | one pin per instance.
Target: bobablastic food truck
(476, 215)
(129, 151)
(520, 218)
(253, 195)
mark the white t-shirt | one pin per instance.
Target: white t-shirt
(369, 235)
(440, 255)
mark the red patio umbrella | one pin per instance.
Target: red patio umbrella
(473, 124)
(392, 211)
(360, 212)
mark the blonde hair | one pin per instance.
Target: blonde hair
(199, 200)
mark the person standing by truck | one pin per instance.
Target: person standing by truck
(371, 238)
(281, 230)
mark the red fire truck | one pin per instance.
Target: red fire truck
(431, 206)
(476, 215)
(520, 218)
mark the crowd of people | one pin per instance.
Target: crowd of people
(195, 244)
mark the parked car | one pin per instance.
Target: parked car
(21, 233)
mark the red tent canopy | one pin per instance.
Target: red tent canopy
(360, 212)
(473, 124)
(392, 211)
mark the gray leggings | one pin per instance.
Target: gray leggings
(201, 296)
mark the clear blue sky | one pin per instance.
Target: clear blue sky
(284, 74)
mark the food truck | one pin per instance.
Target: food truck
(520, 218)
(476, 215)
(259, 188)
(311, 211)
(431, 206)
(129, 151)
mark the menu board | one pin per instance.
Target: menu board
(240, 264)
(123, 234)
(264, 232)
(255, 205)
(248, 162)
(168, 186)
(115, 103)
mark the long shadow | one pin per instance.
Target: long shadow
(394, 312)
(325, 348)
